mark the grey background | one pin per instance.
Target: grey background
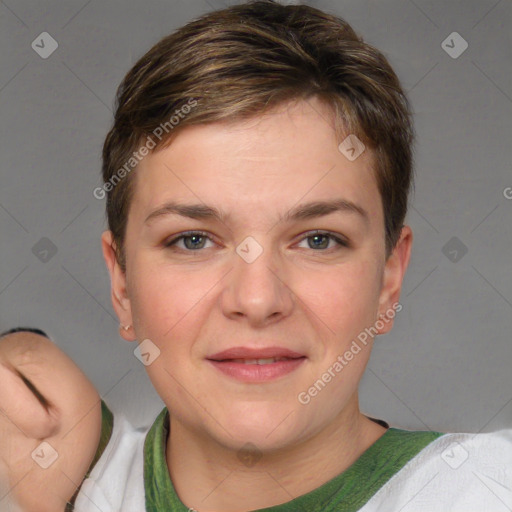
(445, 366)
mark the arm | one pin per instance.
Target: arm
(44, 397)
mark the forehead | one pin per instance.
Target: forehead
(257, 168)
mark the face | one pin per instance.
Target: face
(263, 240)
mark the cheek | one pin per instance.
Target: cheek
(345, 298)
(168, 307)
(165, 299)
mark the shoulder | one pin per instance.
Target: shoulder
(116, 481)
(471, 452)
(457, 472)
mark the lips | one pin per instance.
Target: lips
(252, 356)
(268, 360)
(261, 365)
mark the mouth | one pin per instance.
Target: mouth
(256, 365)
(268, 360)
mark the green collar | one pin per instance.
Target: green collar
(347, 492)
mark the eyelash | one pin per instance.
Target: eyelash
(188, 234)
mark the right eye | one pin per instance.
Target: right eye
(192, 241)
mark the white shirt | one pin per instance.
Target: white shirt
(453, 473)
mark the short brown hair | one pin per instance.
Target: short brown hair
(242, 61)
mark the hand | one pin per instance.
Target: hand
(50, 422)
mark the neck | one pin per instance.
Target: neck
(208, 477)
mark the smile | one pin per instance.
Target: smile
(257, 370)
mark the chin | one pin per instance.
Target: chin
(265, 429)
(256, 442)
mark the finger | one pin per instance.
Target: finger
(24, 406)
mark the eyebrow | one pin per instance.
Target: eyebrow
(301, 212)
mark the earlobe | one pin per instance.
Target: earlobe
(394, 272)
(119, 296)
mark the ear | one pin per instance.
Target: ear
(394, 272)
(118, 293)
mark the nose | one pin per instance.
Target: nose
(256, 290)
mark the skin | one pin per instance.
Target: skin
(70, 423)
(192, 303)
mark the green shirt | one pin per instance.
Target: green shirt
(347, 492)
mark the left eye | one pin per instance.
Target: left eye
(320, 240)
